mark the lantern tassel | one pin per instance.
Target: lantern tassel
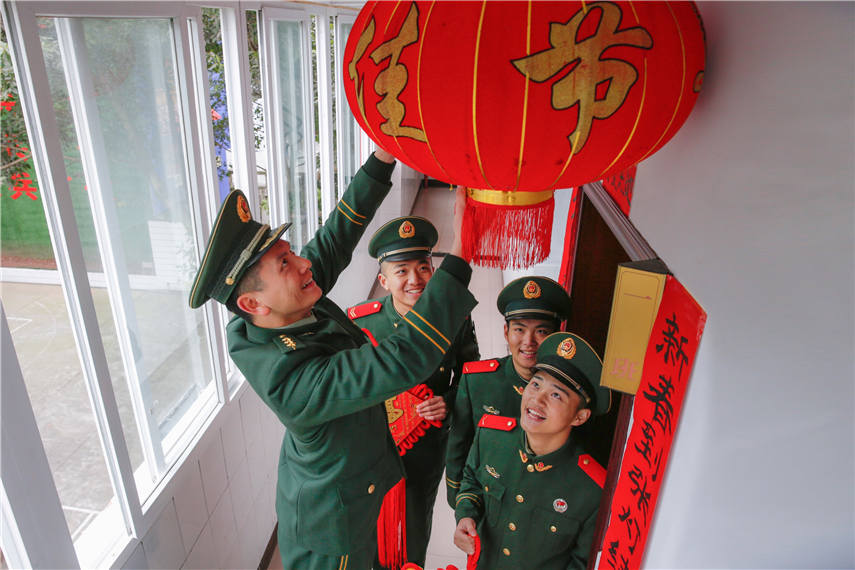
(392, 528)
(509, 237)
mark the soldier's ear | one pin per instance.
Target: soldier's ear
(382, 280)
(248, 303)
(582, 416)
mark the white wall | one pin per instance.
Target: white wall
(221, 512)
(751, 205)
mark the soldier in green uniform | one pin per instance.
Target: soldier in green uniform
(533, 308)
(403, 248)
(530, 493)
(316, 370)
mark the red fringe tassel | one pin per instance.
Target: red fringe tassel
(509, 237)
(392, 528)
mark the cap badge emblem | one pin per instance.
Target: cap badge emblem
(560, 505)
(492, 471)
(407, 230)
(243, 210)
(567, 348)
(531, 290)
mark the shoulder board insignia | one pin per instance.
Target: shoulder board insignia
(480, 366)
(592, 469)
(502, 423)
(285, 342)
(364, 309)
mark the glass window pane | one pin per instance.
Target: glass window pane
(298, 170)
(218, 98)
(44, 342)
(137, 198)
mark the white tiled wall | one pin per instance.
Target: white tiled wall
(222, 510)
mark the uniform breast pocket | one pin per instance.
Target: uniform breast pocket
(493, 491)
(554, 532)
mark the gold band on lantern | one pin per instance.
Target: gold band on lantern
(508, 197)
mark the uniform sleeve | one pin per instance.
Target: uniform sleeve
(459, 441)
(582, 548)
(307, 388)
(466, 350)
(331, 249)
(470, 500)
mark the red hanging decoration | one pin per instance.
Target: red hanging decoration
(522, 97)
(392, 528)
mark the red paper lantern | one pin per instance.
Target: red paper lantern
(516, 99)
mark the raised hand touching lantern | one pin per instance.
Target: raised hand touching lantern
(516, 99)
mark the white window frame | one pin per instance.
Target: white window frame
(30, 524)
(21, 25)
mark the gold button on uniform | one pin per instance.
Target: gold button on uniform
(442, 368)
(520, 498)
(486, 488)
(371, 488)
(529, 467)
(512, 526)
(506, 552)
(553, 529)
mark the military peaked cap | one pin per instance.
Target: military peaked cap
(409, 237)
(534, 298)
(237, 241)
(572, 361)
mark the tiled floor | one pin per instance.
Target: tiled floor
(436, 204)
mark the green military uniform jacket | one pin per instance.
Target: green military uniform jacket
(384, 321)
(424, 462)
(326, 384)
(533, 512)
(487, 387)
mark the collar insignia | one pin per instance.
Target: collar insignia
(541, 467)
(560, 505)
(407, 230)
(518, 389)
(243, 210)
(490, 409)
(491, 471)
(567, 349)
(531, 290)
(288, 341)
(523, 456)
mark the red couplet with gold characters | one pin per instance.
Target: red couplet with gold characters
(509, 97)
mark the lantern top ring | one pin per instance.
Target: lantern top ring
(508, 197)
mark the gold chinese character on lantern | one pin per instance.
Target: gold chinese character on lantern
(390, 82)
(590, 70)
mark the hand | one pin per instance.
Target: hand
(434, 409)
(384, 156)
(459, 209)
(463, 535)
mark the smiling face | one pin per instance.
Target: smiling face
(288, 292)
(405, 280)
(549, 410)
(524, 336)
